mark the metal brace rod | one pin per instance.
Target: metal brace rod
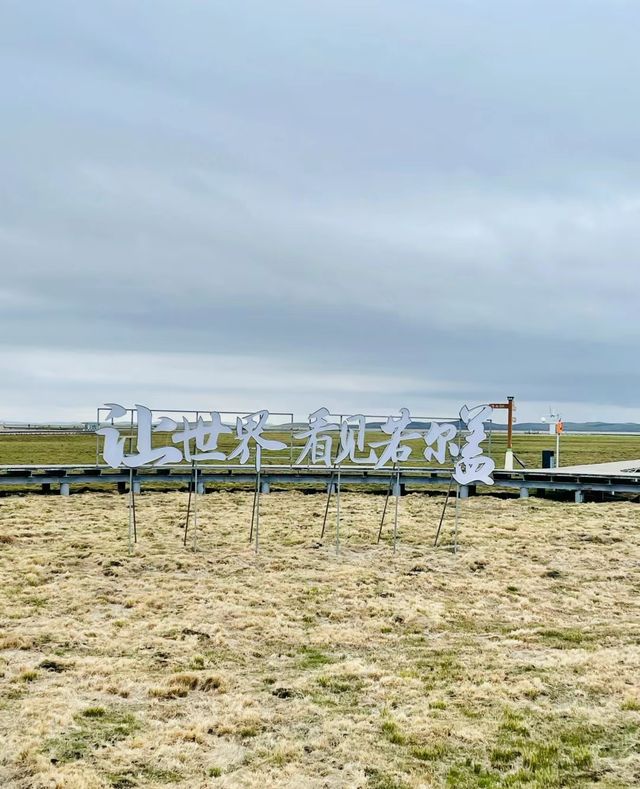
(133, 531)
(444, 508)
(253, 507)
(386, 503)
(195, 507)
(455, 528)
(338, 514)
(326, 509)
(395, 518)
(186, 522)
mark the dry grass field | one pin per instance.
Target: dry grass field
(515, 662)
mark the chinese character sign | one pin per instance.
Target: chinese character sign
(327, 440)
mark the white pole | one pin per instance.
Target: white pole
(338, 515)
(130, 511)
(257, 503)
(395, 517)
(195, 507)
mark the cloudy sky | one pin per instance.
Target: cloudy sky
(363, 205)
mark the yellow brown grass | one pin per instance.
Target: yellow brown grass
(513, 663)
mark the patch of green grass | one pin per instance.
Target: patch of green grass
(565, 638)
(539, 752)
(503, 756)
(36, 602)
(13, 694)
(197, 663)
(281, 757)
(430, 753)
(344, 683)
(540, 755)
(310, 657)
(94, 712)
(620, 741)
(96, 727)
(471, 774)
(248, 731)
(393, 733)
(337, 691)
(122, 780)
(440, 668)
(512, 724)
(131, 778)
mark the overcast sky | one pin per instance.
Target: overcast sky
(363, 205)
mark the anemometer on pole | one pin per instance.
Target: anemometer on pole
(556, 426)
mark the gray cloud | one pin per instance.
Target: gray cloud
(440, 197)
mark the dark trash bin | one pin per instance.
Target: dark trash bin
(548, 458)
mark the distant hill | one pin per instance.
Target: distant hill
(519, 427)
(574, 427)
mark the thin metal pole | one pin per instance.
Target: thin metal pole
(257, 497)
(130, 512)
(186, 522)
(446, 501)
(130, 437)
(326, 509)
(258, 510)
(133, 510)
(338, 514)
(395, 521)
(455, 528)
(195, 507)
(386, 502)
(253, 508)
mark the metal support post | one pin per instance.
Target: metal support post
(444, 509)
(395, 517)
(194, 544)
(386, 503)
(331, 487)
(338, 514)
(455, 528)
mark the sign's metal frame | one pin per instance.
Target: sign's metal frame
(471, 466)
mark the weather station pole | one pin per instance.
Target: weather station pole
(509, 406)
(559, 429)
(508, 461)
(556, 425)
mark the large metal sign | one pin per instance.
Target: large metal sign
(326, 440)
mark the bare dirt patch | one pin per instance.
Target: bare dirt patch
(513, 663)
